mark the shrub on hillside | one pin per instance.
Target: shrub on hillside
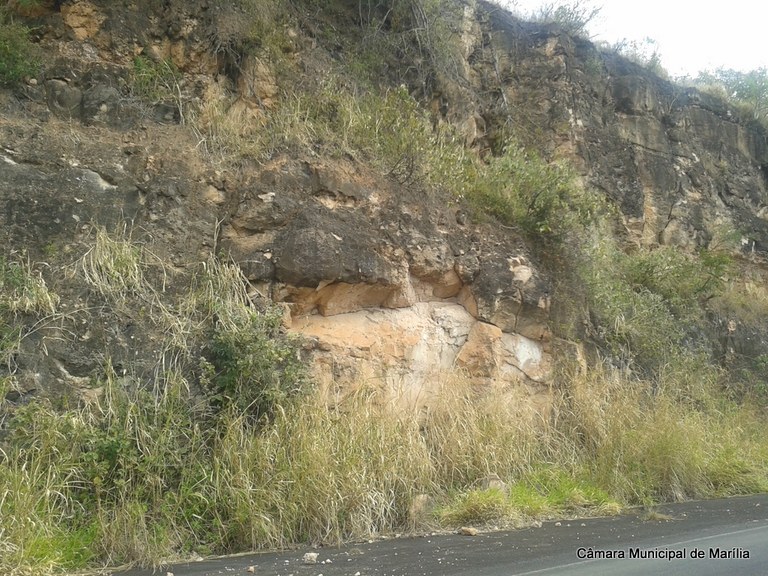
(253, 367)
(19, 58)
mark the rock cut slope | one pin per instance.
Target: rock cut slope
(383, 276)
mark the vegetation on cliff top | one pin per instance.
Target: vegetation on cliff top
(228, 446)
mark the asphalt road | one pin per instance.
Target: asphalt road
(712, 537)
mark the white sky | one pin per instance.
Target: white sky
(690, 35)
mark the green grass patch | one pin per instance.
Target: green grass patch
(529, 500)
(477, 507)
(155, 81)
(544, 492)
(23, 291)
(19, 57)
(569, 491)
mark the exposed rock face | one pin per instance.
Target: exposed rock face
(690, 186)
(56, 182)
(83, 18)
(682, 167)
(684, 170)
(382, 279)
(386, 280)
(419, 342)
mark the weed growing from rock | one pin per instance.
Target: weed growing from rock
(24, 291)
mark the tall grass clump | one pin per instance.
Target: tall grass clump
(332, 471)
(474, 434)
(154, 81)
(100, 481)
(115, 265)
(143, 476)
(744, 298)
(158, 82)
(137, 478)
(642, 446)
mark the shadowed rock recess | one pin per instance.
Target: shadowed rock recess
(384, 277)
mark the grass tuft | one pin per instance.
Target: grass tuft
(23, 290)
(114, 265)
(477, 507)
